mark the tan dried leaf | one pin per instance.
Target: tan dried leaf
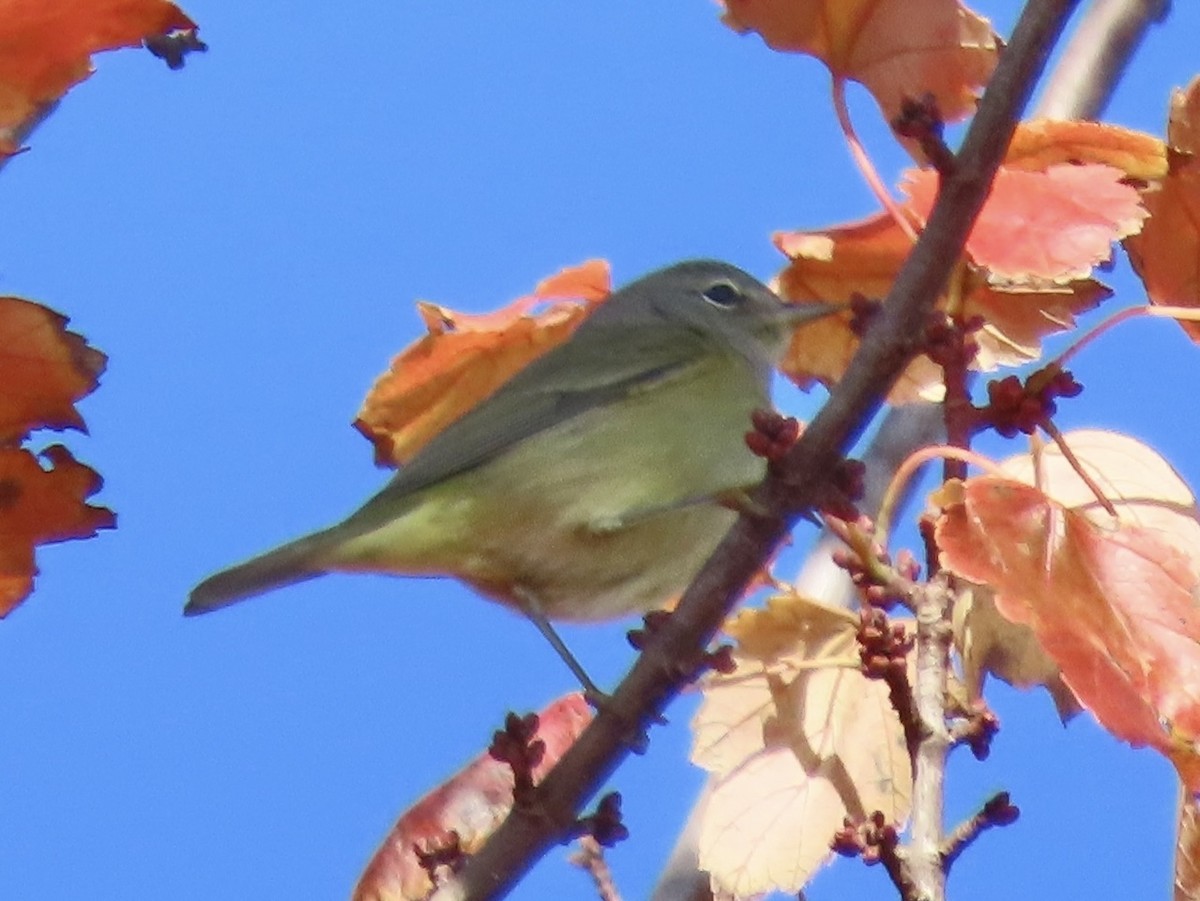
(989, 644)
(796, 740)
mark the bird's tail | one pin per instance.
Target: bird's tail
(297, 561)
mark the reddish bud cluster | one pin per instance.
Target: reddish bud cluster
(949, 344)
(921, 120)
(863, 311)
(883, 647)
(605, 824)
(1000, 811)
(874, 595)
(1015, 407)
(977, 730)
(651, 623)
(517, 746)
(773, 434)
(721, 659)
(870, 840)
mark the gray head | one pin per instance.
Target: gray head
(715, 299)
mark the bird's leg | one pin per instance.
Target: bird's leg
(533, 610)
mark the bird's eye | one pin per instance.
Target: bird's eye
(722, 294)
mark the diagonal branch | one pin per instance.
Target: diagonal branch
(1096, 56)
(656, 677)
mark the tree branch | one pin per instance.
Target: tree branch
(924, 858)
(1096, 56)
(656, 677)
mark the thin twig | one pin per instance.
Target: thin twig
(998, 810)
(590, 857)
(934, 637)
(1095, 58)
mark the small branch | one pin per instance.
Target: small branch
(590, 857)
(952, 347)
(934, 637)
(998, 810)
(1095, 58)
(884, 649)
(921, 121)
(976, 729)
(517, 745)
(877, 842)
(604, 826)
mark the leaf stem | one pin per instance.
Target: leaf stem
(863, 160)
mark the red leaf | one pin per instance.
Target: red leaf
(41, 506)
(472, 803)
(1054, 225)
(1113, 604)
(47, 46)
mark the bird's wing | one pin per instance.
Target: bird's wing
(595, 367)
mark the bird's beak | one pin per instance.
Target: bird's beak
(794, 315)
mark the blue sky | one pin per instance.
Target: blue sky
(245, 239)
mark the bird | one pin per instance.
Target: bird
(595, 482)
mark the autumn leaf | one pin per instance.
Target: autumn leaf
(41, 505)
(989, 644)
(863, 258)
(470, 804)
(465, 358)
(47, 47)
(1038, 144)
(44, 369)
(1055, 225)
(795, 740)
(1112, 601)
(898, 49)
(1166, 255)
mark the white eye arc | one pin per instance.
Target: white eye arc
(723, 294)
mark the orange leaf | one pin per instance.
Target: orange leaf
(897, 48)
(864, 258)
(795, 740)
(41, 506)
(1040, 143)
(44, 369)
(47, 47)
(1054, 225)
(464, 359)
(1166, 255)
(1112, 603)
(590, 280)
(472, 804)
